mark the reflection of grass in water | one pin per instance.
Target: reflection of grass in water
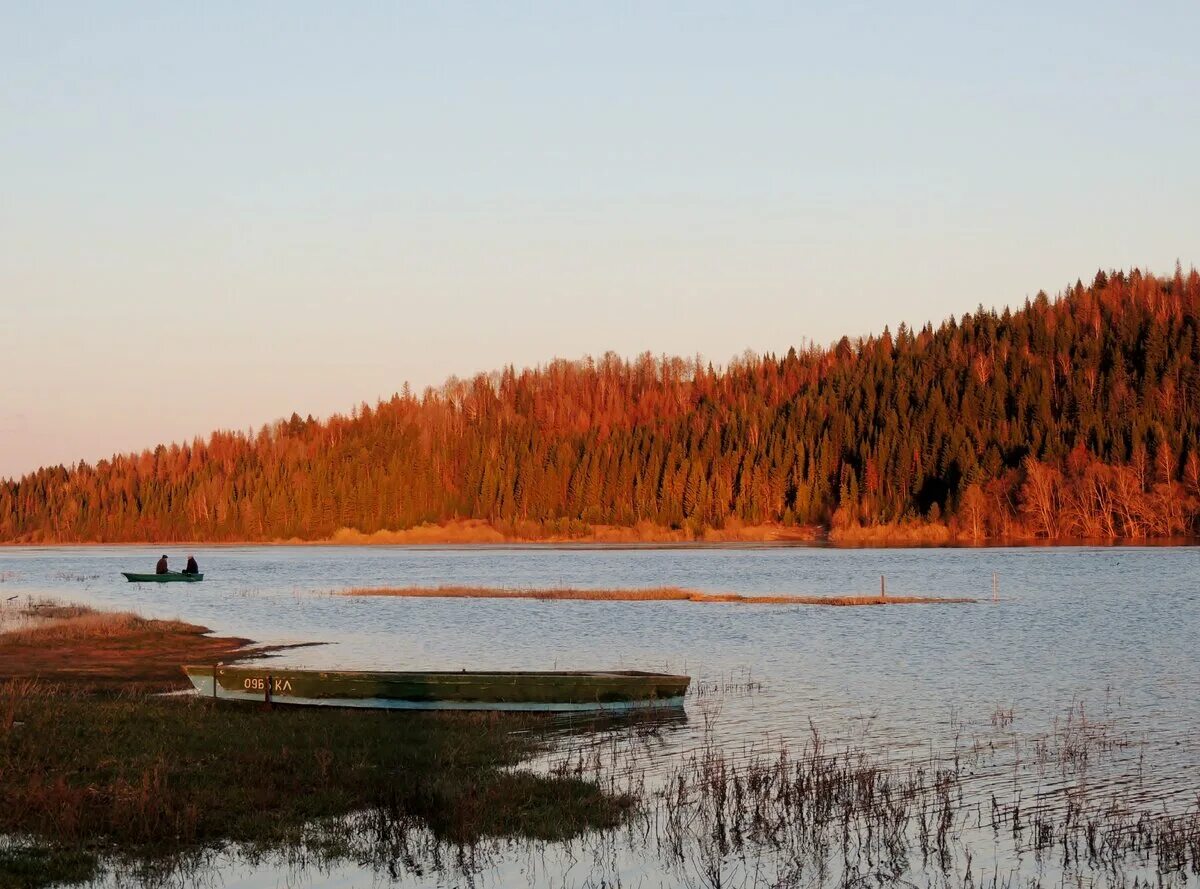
(23, 866)
(1002, 717)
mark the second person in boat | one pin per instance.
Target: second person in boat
(161, 567)
(192, 567)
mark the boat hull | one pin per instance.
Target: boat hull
(516, 691)
(169, 577)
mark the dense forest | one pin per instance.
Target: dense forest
(1071, 417)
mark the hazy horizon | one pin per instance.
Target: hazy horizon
(214, 217)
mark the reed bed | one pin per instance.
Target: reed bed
(783, 814)
(90, 761)
(655, 594)
(169, 780)
(810, 813)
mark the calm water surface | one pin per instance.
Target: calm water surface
(1111, 630)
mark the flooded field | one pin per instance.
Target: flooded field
(1047, 737)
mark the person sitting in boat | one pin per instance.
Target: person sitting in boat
(161, 567)
(192, 567)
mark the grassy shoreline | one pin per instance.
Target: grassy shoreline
(658, 594)
(93, 760)
(481, 532)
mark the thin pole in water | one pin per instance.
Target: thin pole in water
(995, 584)
(882, 586)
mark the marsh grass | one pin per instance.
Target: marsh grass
(75, 625)
(656, 594)
(812, 812)
(85, 770)
(91, 761)
(144, 771)
(114, 652)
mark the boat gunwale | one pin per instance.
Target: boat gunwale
(169, 577)
(384, 675)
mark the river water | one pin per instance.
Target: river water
(1106, 636)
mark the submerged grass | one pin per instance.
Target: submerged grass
(777, 814)
(91, 762)
(656, 594)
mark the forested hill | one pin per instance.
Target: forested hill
(1072, 417)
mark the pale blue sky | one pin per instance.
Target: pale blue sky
(214, 214)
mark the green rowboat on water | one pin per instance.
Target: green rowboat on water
(552, 692)
(169, 577)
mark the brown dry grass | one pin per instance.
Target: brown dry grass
(112, 651)
(657, 594)
(472, 531)
(85, 626)
(480, 531)
(913, 533)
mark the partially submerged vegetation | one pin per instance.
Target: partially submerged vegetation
(91, 762)
(656, 594)
(1070, 803)
(97, 778)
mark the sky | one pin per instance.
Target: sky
(212, 215)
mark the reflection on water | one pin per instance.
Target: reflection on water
(1072, 695)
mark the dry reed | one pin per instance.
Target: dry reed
(89, 625)
(656, 594)
(110, 651)
(471, 531)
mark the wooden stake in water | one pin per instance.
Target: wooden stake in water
(882, 586)
(995, 585)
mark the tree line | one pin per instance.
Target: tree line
(1071, 417)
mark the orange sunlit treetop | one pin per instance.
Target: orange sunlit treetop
(1074, 417)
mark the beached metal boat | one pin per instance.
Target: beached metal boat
(169, 577)
(553, 692)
